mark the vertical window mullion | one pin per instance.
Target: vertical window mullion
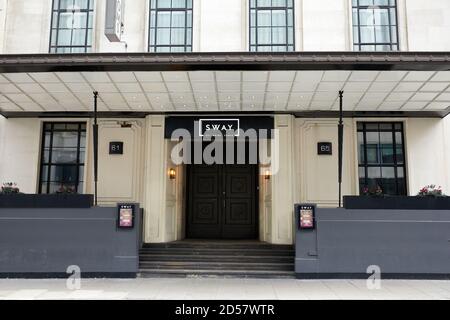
(366, 169)
(404, 157)
(390, 27)
(156, 26)
(287, 27)
(87, 26)
(50, 157)
(256, 28)
(78, 159)
(394, 147)
(185, 26)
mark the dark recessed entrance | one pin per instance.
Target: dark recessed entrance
(222, 201)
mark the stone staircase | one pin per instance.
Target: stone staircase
(249, 259)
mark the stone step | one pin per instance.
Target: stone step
(202, 265)
(218, 251)
(193, 258)
(217, 258)
(217, 245)
(207, 273)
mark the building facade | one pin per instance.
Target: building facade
(396, 129)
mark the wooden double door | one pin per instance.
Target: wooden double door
(222, 202)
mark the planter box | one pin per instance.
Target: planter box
(46, 200)
(397, 203)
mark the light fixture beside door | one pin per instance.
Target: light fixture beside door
(172, 174)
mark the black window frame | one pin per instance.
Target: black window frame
(54, 26)
(357, 45)
(153, 47)
(256, 8)
(396, 127)
(78, 164)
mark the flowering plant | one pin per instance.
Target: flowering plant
(377, 191)
(9, 188)
(65, 189)
(431, 190)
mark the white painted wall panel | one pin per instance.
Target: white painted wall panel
(222, 25)
(27, 26)
(325, 25)
(427, 156)
(19, 152)
(428, 25)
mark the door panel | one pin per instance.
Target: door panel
(222, 202)
(204, 202)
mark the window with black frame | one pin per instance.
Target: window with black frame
(381, 154)
(375, 26)
(170, 26)
(62, 157)
(72, 25)
(272, 25)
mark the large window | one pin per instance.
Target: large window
(170, 26)
(271, 25)
(375, 25)
(72, 23)
(62, 158)
(381, 157)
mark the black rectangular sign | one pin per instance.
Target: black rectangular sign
(325, 148)
(192, 124)
(214, 127)
(116, 147)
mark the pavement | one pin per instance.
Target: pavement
(223, 289)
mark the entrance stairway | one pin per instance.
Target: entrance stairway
(249, 259)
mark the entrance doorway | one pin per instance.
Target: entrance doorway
(222, 202)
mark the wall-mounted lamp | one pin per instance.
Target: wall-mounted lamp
(172, 174)
(124, 124)
(267, 174)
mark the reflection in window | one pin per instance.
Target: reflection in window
(170, 26)
(375, 25)
(271, 25)
(72, 23)
(381, 157)
(62, 159)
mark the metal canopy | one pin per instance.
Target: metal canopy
(380, 84)
(409, 61)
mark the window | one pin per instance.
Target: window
(271, 25)
(62, 157)
(72, 23)
(382, 157)
(375, 25)
(170, 26)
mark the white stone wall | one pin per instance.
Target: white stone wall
(26, 26)
(222, 25)
(427, 149)
(320, 25)
(428, 25)
(20, 152)
(325, 25)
